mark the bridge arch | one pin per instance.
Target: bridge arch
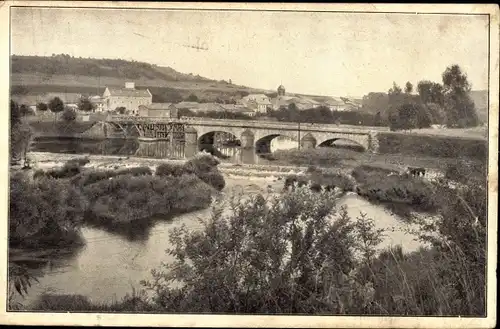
(263, 144)
(344, 143)
(362, 141)
(213, 141)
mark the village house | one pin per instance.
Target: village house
(97, 102)
(128, 97)
(164, 110)
(335, 104)
(257, 102)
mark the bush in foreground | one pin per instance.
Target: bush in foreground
(44, 212)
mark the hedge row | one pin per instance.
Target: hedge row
(439, 146)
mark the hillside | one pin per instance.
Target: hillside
(36, 78)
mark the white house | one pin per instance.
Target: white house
(128, 97)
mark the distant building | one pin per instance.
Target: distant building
(281, 90)
(335, 104)
(163, 110)
(257, 102)
(97, 102)
(128, 97)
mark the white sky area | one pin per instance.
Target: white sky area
(315, 53)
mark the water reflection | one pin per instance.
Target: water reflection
(148, 149)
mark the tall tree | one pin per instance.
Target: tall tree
(408, 88)
(56, 105)
(85, 105)
(459, 107)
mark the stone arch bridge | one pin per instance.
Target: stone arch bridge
(250, 133)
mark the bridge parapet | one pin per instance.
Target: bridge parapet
(246, 124)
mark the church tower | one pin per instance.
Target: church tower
(281, 90)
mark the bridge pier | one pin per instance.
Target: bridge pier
(191, 136)
(247, 140)
(308, 142)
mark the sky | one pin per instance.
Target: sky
(313, 53)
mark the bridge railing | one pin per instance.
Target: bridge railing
(243, 123)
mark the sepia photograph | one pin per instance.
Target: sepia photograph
(292, 164)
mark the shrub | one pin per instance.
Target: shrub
(171, 169)
(44, 212)
(127, 198)
(70, 169)
(275, 257)
(93, 176)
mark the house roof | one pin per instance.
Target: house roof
(158, 106)
(334, 101)
(127, 92)
(259, 98)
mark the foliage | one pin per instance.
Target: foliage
(92, 176)
(172, 169)
(127, 198)
(438, 146)
(56, 105)
(430, 92)
(85, 105)
(408, 87)
(44, 212)
(324, 115)
(70, 169)
(264, 257)
(69, 115)
(465, 171)
(42, 107)
(20, 133)
(192, 98)
(399, 193)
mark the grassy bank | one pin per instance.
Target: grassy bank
(437, 146)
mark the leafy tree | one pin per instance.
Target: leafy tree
(394, 92)
(69, 115)
(459, 107)
(192, 98)
(408, 88)
(15, 114)
(42, 107)
(376, 102)
(56, 105)
(377, 120)
(85, 105)
(430, 92)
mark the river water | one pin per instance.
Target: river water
(109, 265)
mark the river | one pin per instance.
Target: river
(109, 265)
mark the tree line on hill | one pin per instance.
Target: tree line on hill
(64, 64)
